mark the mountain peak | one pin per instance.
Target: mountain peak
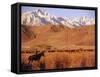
(40, 16)
(40, 11)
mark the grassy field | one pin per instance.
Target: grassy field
(64, 48)
(59, 59)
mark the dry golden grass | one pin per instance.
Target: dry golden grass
(64, 48)
(63, 59)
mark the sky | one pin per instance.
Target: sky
(59, 12)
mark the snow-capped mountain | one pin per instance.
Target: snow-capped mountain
(41, 17)
(81, 21)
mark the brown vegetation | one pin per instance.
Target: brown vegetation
(64, 47)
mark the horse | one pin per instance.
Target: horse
(35, 57)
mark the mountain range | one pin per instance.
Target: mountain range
(41, 17)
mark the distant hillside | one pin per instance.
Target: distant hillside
(58, 36)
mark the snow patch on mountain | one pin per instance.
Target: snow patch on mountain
(41, 17)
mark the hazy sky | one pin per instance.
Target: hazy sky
(62, 12)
